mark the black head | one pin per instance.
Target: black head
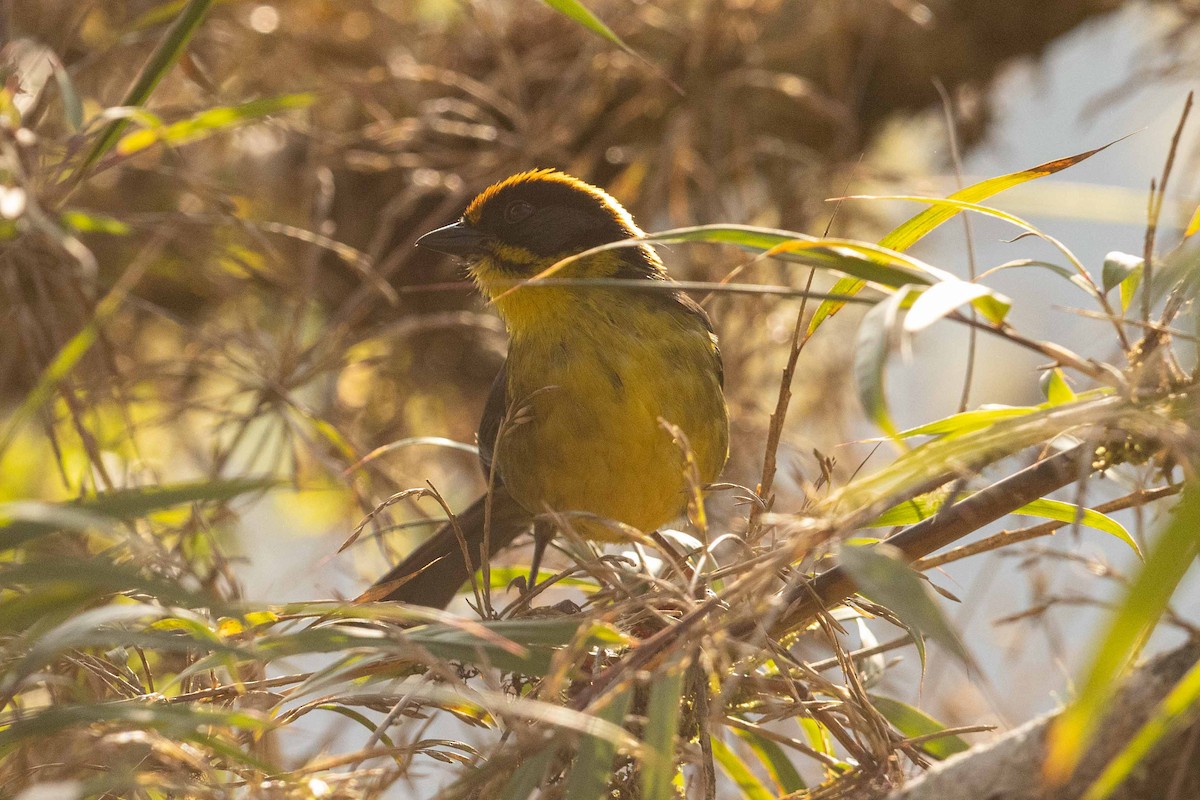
(533, 216)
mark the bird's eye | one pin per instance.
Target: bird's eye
(517, 211)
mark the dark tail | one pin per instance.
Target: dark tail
(442, 557)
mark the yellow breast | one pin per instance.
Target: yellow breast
(587, 389)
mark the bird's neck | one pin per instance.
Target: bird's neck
(556, 310)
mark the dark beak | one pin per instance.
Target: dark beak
(457, 239)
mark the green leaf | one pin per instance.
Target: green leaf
(525, 645)
(871, 350)
(593, 768)
(1129, 288)
(211, 121)
(528, 776)
(662, 726)
(844, 286)
(989, 211)
(185, 723)
(921, 225)
(50, 517)
(54, 587)
(1069, 512)
(163, 13)
(918, 227)
(916, 509)
(1170, 558)
(72, 107)
(1172, 713)
(87, 222)
(940, 299)
(871, 263)
(747, 782)
(1194, 225)
(988, 415)
(977, 448)
(1118, 267)
(883, 576)
(578, 13)
(366, 723)
(909, 512)
(1071, 275)
(967, 421)
(58, 368)
(773, 757)
(134, 503)
(168, 51)
(1056, 388)
(106, 626)
(913, 722)
(30, 518)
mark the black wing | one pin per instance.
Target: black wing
(493, 414)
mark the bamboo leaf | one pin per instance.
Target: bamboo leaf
(844, 286)
(188, 723)
(985, 416)
(593, 769)
(1059, 270)
(72, 106)
(773, 757)
(1056, 388)
(104, 626)
(1172, 713)
(918, 227)
(528, 776)
(745, 780)
(168, 51)
(883, 576)
(921, 225)
(1194, 225)
(1118, 267)
(525, 646)
(1129, 288)
(578, 13)
(55, 587)
(1170, 558)
(86, 222)
(967, 421)
(871, 350)
(913, 722)
(940, 299)
(662, 725)
(916, 509)
(977, 448)
(33, 519)
(210, 121)
(1069, 512)
(869, 263)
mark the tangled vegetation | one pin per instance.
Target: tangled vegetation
(214, 309)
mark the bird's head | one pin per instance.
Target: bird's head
(518, 227)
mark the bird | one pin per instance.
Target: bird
(607, 365)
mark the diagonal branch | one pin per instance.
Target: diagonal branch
(805, 599)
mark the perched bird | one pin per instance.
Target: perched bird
(592, 373)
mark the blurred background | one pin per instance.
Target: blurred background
(279, 320)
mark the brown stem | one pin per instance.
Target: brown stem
(1006, 538)
(806, 598)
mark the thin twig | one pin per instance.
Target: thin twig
(806, 599)
(779, 415)
(1005, 538)
(1155, 211)
(956, 159)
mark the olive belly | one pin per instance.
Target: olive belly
(585, 427)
